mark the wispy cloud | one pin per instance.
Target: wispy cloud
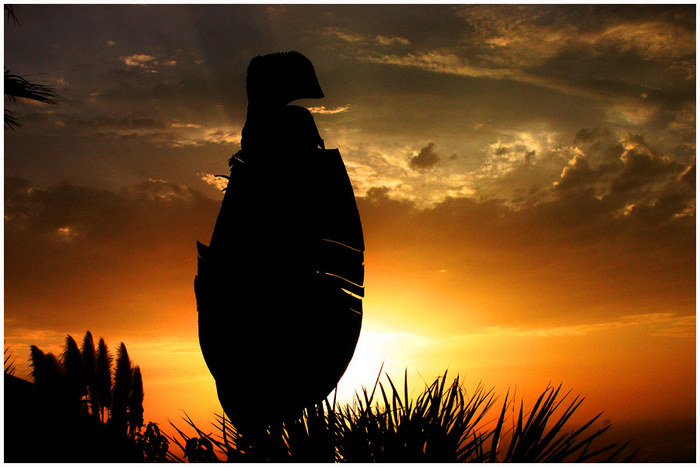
(222, 135)
(452, 63)
(391, 40)
(441, 62)
(538, 45)
(140, 61)
(355, 38)
(182, 134)
(185, 125)
(214, 180)
(322, 110)
(67, 233)
(655, 324)
(536, 33)
(147, 62)
(345, 36)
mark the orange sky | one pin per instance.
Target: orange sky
(525, 177)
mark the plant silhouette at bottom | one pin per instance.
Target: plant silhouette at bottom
(443, 424)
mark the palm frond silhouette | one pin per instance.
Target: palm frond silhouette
(18, 87)
(10, 12)
(10, 367)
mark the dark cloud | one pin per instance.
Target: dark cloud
(618, 67)
(119, 122)
(688, 176)
(620, 219)
(79, 256)
(579, 174)
(566, 256)
(108, 254)
(106, 216)
(15, 185)
(585, 135)
(624, 44)
(426, 159)
(642, 167)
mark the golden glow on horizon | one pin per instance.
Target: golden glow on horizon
(423, 323)
(648, 349)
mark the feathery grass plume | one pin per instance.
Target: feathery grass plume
(87, 352)
(9, 362)
(73, 375)
(103, 379)
(121, 388)
(135, 409)
(38, 364)
(46, 373)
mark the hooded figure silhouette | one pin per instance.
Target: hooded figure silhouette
(279, 290)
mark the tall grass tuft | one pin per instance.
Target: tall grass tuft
(541, 437)
(121, 388)
(75, 382)
(443, 424)
(439, 426)
(103, 379)
(87, 353)
(135, 407)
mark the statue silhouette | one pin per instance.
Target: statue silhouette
(279, 289)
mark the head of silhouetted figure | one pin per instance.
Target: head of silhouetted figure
(275, 80)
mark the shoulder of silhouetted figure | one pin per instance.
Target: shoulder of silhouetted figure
(298, 129)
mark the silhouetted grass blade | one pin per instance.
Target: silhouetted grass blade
(442, 424)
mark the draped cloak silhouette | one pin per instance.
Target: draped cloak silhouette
(279, 289)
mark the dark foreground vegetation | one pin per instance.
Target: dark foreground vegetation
(443, 424)
(83, 407)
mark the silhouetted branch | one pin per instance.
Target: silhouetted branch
(9, 362)
(10, 12)
(18, 87)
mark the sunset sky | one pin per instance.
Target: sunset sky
(525, 177)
